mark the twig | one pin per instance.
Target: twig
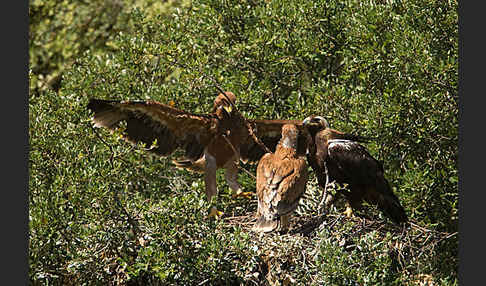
(447, 236)
(204, 281)
(236, 152)
(218, 87)
(248, 172)
(133, 223)
(257, 140)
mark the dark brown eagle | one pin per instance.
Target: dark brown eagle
(340, 156)
(211, 141)
(281, 182)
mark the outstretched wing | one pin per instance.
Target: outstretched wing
(149, 121)
(270, 132)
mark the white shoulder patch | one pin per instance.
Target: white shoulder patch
(341, 143)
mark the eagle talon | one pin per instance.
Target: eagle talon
(348, 212)
(241, 194)
(214, 213)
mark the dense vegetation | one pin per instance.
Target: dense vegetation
(104, 212)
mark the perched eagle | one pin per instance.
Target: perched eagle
(340, 156)
(281, 182)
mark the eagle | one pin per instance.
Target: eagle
(337, 156)
(281, 182)
(210, 141)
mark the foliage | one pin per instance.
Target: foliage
(61, 30)
(103, 211)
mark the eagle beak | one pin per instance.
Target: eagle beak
(306, 121)
(228, 108)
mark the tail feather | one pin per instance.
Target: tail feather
(264, 225)
(389, 204)
(394, 211)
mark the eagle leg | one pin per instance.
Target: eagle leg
(210, 183)
(349, 210)
(210, 177)
(231, 176)
(353, 201)
(215, 213)
(351, 206)
(284, 222)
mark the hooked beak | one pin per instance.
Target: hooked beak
(228, 109)
(306, 121)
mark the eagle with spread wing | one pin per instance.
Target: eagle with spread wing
(338, 156)
(281, 182)
(210, 141)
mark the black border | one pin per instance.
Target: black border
(15, 141)
(470, 145)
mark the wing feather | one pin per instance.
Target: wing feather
(281, 183)
(350, 162)
(147, 121)
(336, 134)
(295, 186)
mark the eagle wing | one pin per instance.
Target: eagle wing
(349, 162)
(292, 187)
(270, 132)
(149, 121)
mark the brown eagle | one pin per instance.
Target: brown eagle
(210, 141)
(340, 157)
(281, 182)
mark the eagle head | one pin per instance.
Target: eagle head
(225, 101)
(289, 136)
(315, 123)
